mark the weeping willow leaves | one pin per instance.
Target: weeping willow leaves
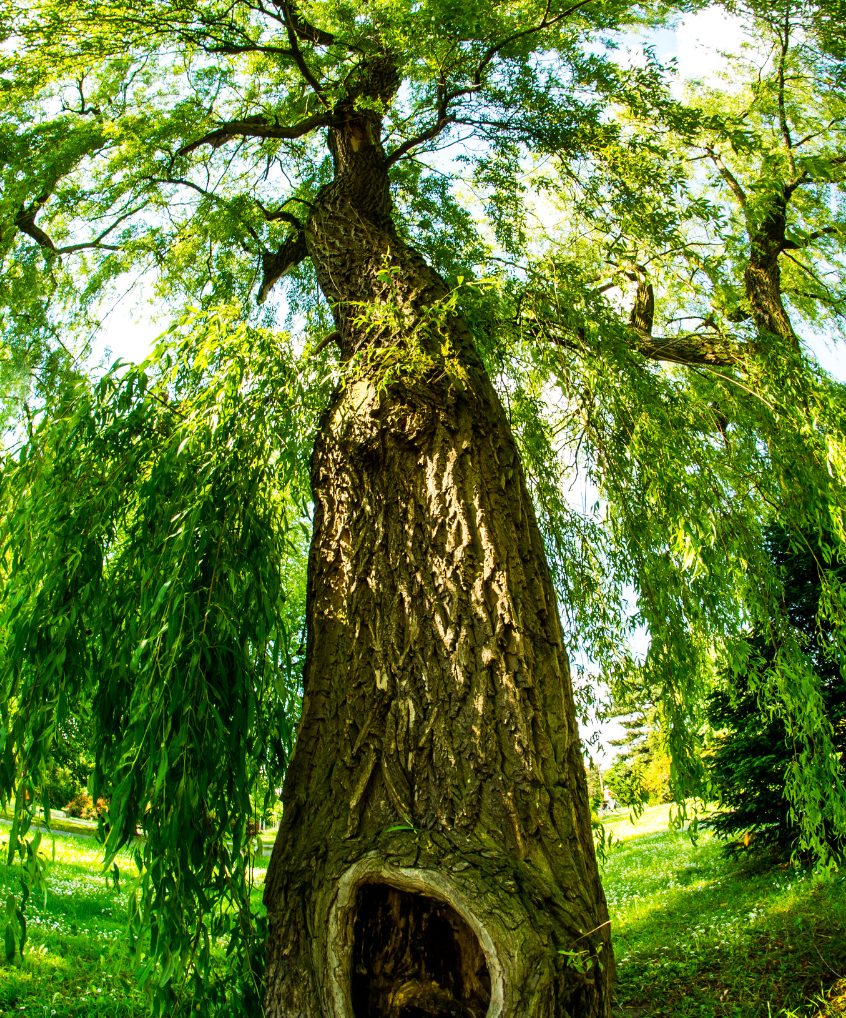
(149, 532)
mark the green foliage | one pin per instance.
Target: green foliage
(753, 754)
(153, 565)
(149, 524)
(692, 464)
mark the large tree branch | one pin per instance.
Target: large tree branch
(212, 197)
(424, 136)
(820, 133)
(642, 316)
(692, 349)
(808, 270)
(258, 127)
(303, 29)
(292, 19)
(270, 217)
(25, 222)
(806, 177)
(686, 348)
(546, 22)
(689, 348)
(727, 176)
(492, 51)
(232, 49)
(782, 112)
(280, 213)
(286, 217)
(275, 266)
(829, 299)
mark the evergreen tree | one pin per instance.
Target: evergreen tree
(595, 787)
(754, 751)
(625, 777)
(640, 771)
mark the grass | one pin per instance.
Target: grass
(696, 935)
(76, 964)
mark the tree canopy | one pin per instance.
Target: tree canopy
(639, 269)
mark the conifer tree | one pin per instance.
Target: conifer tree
(752, 753)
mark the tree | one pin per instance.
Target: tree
(595, 787)
(641, 773)
(437, 793)
(752, 752)
(633, 756)
(681, 254)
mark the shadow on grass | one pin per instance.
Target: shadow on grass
(698, 934)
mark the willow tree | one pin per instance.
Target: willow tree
(732, 276)
(435, 854)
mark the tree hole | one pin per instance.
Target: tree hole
(415, 957)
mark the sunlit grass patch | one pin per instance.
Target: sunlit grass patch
(77, 964)
(695, 934)
(698, 934)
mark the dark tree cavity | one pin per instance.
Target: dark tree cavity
(414, 955)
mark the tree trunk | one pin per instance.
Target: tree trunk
(435, 856)
(762, 276)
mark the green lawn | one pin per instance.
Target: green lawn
(695, 934)
(76, 964)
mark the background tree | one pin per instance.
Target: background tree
(437, 781)
(595, 787)
(752, 754)
(645, 775)
(73, 761)
(625, 776)
(641, 769)
(694, 464)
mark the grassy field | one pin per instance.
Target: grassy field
(77, 965)
(695, 934)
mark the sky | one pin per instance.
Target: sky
(698, 44)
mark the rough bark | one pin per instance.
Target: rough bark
(762, 276)
(435, 855)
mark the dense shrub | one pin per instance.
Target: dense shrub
(61, 786)
(83, 807)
